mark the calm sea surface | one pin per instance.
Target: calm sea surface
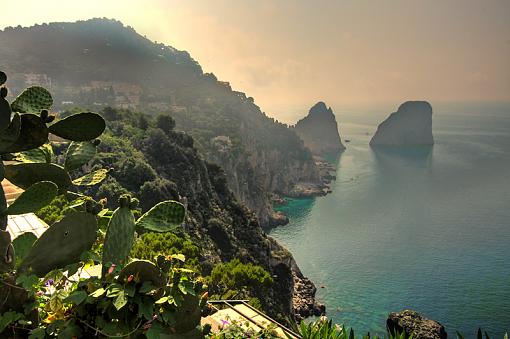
(426, 228)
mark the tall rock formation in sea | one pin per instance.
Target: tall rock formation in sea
(410, 125)
(319, 130)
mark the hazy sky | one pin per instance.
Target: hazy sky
(293, 53)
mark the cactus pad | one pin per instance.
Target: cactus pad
(33, 133)
(119, 237)
(62, 244)
(79, 127)
(26, 174)
(7, 259)
(22, 245)
(11, 134)
(78, 154)
(163, 217)
(93, 178)
(144, 271)
(3, 78)
(32, 100)
(188, 315)
(40, 154)
(5, 114)
(34, 198)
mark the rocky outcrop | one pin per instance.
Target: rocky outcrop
(319, 130)
(415, 324)
(410, 125)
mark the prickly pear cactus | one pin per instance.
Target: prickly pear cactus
(34, 198)
(78, 154)
(33, 133)
(7, 259)
(163, 217)
(93, 178)
(61, 244)
(79, 127)
(5, 110)
(11, 134)
(40, 154)
(120, 235)
(3, 78)
(144, 271)
(22, 245)
(32, 100)
(188, 315)
(26, 174)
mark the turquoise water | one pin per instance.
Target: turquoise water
(426, 229)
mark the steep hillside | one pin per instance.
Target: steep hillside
(100, 62)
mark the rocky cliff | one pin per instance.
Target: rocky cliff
(103, 63)
(319, 130)
(415, 325)
(410, 125)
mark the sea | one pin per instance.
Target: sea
(421, 228)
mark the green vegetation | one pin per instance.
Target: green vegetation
(46, 292)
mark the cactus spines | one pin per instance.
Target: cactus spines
(78, 154)
(11, 134)
(26, 174)
(3, 78)
(32, 100)
(143, 270)
(7, 259)
(34, 198)
(163, 217)
(33, 133)
(79, 127)
(40, 154)
(119, 236)
(62, 244)
(93, 178)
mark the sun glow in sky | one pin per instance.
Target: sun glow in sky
(293, 53)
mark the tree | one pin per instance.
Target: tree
(165, 122)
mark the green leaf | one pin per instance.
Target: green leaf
(34, 198)
(147, 286)
(155, 331)
(28, 281)
(79, 127)
(8, 318)
(130, 289)
(145, 309)
(22, 245)
(163, 217)
(77, 297)
(37, 333)
(113, 290)
(162, 300)
(92, 178)
(97, 293)
(120, 301)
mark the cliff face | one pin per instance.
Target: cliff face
(104, 63)
(410, 125)
(319, 130)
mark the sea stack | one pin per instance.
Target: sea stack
(319, 130)
(410, 125)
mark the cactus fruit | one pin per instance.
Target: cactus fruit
(79, 127)
(144, 271)
(22, 245)
(11, 134)
(32, 100)
(163, 217)
(33, 198)
(78, 154)
(62, 244)
(26, 174)
(7, 259)
(120, 235)
(33, 133)
(3, 78)
(93, 178)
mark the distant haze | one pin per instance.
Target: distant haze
(293, 53)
